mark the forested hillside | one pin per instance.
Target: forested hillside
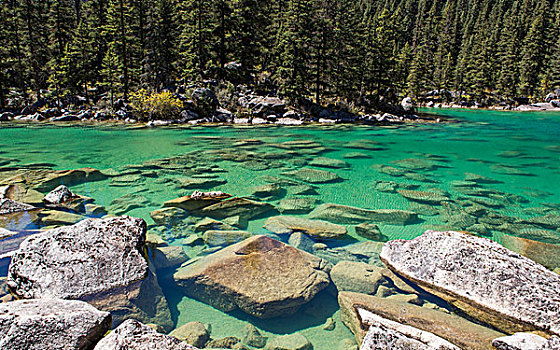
(324, 50)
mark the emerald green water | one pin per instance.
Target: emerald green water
(519, 150)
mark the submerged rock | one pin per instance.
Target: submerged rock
(313, 176)
(296, 205)
(323, 162)
(545, 254)
(133, 335)
(261, 276)
(423, 196)
(314, 228)
(244, 208)
(481, 277)
(166, 257)
(224, 238)
(51, 324)
(342, 214)
(253, 337)
(296, 341)
(370, 231)
(198, 202)
(194, 333)
(100, 261)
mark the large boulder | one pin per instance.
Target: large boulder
(51, 324)
(100, 261)
(526, 341)
(455, 329)
(261, 276)
(133, 335)
(342, 214)
(314, 228)
(386, 334)
(481, 277)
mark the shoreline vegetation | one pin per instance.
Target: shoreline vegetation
(155, 59)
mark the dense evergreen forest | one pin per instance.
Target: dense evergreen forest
(324, 50)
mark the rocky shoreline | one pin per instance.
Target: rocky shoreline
(442, 290)
(203, 107)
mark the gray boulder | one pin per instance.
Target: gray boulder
(526, 341)
(261, 276)
(59, 195)
(100, 261)
(342, 214)
(481, 277)
(387, 334)
(133, 335)
(51, 324)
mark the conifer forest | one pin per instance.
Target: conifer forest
(321, 50)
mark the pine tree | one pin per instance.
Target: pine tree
(533, 54)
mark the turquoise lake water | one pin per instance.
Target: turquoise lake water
(519, 151)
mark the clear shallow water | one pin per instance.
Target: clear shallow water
(519, 150)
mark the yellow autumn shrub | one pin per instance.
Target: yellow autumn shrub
(155, 106)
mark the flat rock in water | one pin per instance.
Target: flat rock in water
(480, 179)
(51, 324)
(342, 214)
(387, 334)
(545, 254)
(323, 162)
(313, 176)
(20, 193)
(133, 335)
(424, 196)
(296, 205)
(481, 277)
(189, 203)
(15, 215)
(46, 180)
(314, 228)
(261, 276)
(224, 238)
(244, 208)
(455, 329)
(56, 217)
(194, 183)
(100, 261)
